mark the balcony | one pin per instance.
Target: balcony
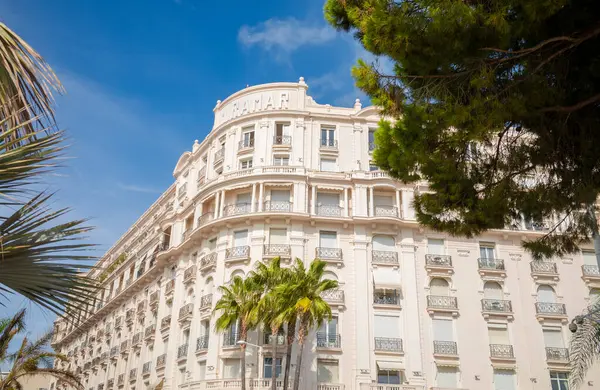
(496, 307)
(206, 302)
(110, 383)
(118, 322)
(543, 270)
(208, 262)
(445, 348)
(201, 177)
(386, 298)
(149, 332)
(557, 355)
(590, 273)
(384, 258)
(386, 211)
(186, 312)
(334, 296)
(202, 343)
(125, 347)
(121, 380)
(114, 352)
(141, 308)
(282, 140)
(388, 345)
(246, 144)
(330, 255)
(154, 300)
(237, 209)
(237, 253)
(491, 267)
(136, 341)
(502, 352)
(133, 375)
(277, 250)
(550, 310)
(330, 144)
(268, 339)
(108, 328)
(218, 156)
(129, 316)
(189, 275)
(100, 386)
(182, 352)
(439, 264)
(230, 339)
(329, 210)
(205, 218)
(146, 369)
(170, 288)
(165, 323)
(328, 341)
(442, 303)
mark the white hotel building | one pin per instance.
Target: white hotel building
(280, 175)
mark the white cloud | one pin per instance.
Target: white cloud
(136, 188)
(286, 35)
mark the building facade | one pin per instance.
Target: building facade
(280, 175)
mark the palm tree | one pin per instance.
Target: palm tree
(305, 289)
(584, 349)
(39, 254)
(269, 276)
(30, 358)
(238, 305)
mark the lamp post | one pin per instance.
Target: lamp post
(246, 343)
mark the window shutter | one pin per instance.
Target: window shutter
(443, 330)
(546, 294)
(504, 380)
(280, 196)
(446, 377)
(435, 246)
(589, 258)
(384, 243)
(387, 326)
(328, 199)
(553, 338)
(278, 236)
(492, 290)
(498, 336)
(328, 240)
(240, 238)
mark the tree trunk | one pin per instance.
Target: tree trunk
(301, 331)
(291, 330)
(243, 336)
(274, 333)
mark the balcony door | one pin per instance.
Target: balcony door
(245, 198)
(248, 139)
(328, 239)
(282, 130)
(498, 336)
(329, 330)
(553, 338)
(443, 330)
(504, 380)
(447, 377)
(384, 200)
(277, 236)
(546, 294)
(493, 290)
(240, 238)
(280, 195)
(435, 246)
(486, 251)
(327, 137)
(231, 368)
(384, 243)
(328, 199)
(387, 327)
(328, 371)
(589, 258)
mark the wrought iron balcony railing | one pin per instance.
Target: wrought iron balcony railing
(329, 143)
(386, 211)
(268, 338)
(154, 298)
(170, 287)
(388, 344)
(202, 343)
(206, 301)
(441, 302)
(162, 360)
(543, 267)
(335, 295)
(237, 209)
(208, 261)
(444, 261)
(328, 253)
(328, 340)
(497, 305)
(165, 322)
(329, 210)
(237, 252)
(190, 273)
(149, 331)
(182, 352)
(121, 379)
(133, 374)
(590, 270)
(491, 264)
(282, 140)
(503, 351)
(279, 206)
(386, 298)
(137, 338)
(557, 354)
(186, 310)
(385, 257)
(246, 143)
(146, 368)
(230, 339)
(274, 250)
(550, 308)
(445, 347)
(205, 218)
(219, 155)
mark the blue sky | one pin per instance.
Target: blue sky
(142, 78)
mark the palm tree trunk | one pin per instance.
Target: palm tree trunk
(243, 336)
(291, 329)
(301, 332)
(274, 334)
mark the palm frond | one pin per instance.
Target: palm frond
(584, 349)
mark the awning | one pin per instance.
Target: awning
(447, 363)
(389, 366)
(386, 278)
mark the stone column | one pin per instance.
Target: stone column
(222, 206)
(253, 205)
(217, 208)
(371, 202)
(345, 201)
(261, 194)
(363, 303)
(313, 200)
(398, 204)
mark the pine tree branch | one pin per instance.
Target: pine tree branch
(575, 107)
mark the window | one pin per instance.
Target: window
(435, 246)
(330, 328)
(328, 137)
(442, 329)
(246, 164)
(486, 251)
(371, 139)
(247, 138)
(202, 370)
(277, 236)
(327, 239)
(447, 377)
(504, 380)
(546, 294)
(386, 326)
(388, 377)
(439, 286)
(559, 380)
(282, 134)
(493, 290)
(498, 336)
(553, 338)
(328, 371)
(240, 238)
(328, 165)
(329, 199)
(589, 258)
(231, 368)
(373, 167)
(384, 243)
(268, 367)
(283, 160)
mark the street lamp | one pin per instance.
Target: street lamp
(244, 342)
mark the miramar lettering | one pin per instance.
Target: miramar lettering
(255, 103)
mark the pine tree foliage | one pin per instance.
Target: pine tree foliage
(484, 95)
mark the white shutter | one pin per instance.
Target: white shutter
(498, 336)
(244, 198)
(231, 368)
(240, 238)
(439, 287)
(381, 200)
(286, 130)
(327, 372)
(447, 377)
(504, 380)
(387, 326)
(384, 243)
(442, 330)
(280, 196)
(553, 338)
(202, 370)
(546, 294)
(328, 199)
(328, 240)
(589, 258)
(328, 165)
(277, 236)
(435, 246)
(492, 290)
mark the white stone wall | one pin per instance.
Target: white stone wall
(262, 107)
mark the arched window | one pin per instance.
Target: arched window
(492, 290)
(439, 286)
(237, 272)
(189, 298)
(329, 275)
(384, 243)
(208, 286)
(546, 294)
